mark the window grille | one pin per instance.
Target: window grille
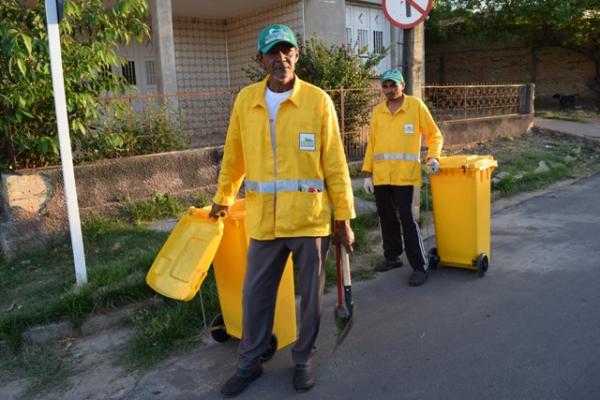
(378, 42)
(129, 72)
(363, 40)
(150, 72)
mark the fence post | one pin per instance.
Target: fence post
(465, 99)
(342, 113)
(529, 98)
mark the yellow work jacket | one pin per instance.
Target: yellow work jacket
(288, 194)
(394, 145)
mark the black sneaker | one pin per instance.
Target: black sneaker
(304, 377)
(240, 380)
(386, 265)
(417, 278)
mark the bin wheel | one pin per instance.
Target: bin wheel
(270, 352)
(433, 259)
(482, 264)
(217, 329)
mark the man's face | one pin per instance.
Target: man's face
(392, 90)
(280, 61)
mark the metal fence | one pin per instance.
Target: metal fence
(461, 102)
(204, 116)
(201, 118)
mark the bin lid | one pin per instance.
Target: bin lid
(470, 162)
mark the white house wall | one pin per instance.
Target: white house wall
(367, 27)
(143, 60)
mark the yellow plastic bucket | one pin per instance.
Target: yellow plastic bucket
(183, 262)
(462, 211)
(230, 270)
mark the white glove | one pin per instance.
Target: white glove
(433, 166)
(368, 185)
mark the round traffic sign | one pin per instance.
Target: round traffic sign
(406, 14)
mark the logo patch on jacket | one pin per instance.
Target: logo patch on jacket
(409, 128)
(307, 141)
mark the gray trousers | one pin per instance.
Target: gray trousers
(266, 262)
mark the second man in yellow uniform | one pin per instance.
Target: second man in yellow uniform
(392, 165)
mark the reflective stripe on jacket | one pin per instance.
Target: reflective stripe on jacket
(311, 172)
(394, 145)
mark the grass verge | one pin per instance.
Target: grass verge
(568, 115)
(44, 367)
(536, 160)
(171, 327)
(39, 287)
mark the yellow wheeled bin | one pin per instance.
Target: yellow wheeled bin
(462, 212)
(230, 269)
(183, 262)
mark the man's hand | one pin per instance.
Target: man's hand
(433, 166)
(368, 185)
(344, 235)
(218, 210)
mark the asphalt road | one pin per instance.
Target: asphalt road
(529, 329)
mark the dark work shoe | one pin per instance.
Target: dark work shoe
(386, 265)
(417, 278)
(240, 380)
(304, 377)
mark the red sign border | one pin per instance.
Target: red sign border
(406, 26)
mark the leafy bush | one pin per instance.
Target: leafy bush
(123, 132)
(90, 34)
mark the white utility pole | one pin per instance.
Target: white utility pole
(62, 121)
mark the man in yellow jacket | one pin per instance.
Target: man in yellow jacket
(284, 140)
(393, 168)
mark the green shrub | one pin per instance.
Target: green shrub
(91, 32)
(122, 132)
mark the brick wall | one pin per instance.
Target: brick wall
(557, 70)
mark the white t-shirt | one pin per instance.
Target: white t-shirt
(274, 100)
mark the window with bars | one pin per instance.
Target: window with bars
(363, 40)
(150, 72)
(349, 37)
(378, 42)
(129, 72)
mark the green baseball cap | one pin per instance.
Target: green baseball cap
(273, 35)
(392, 75)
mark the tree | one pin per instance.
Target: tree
(571, 24)
(90, 34)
